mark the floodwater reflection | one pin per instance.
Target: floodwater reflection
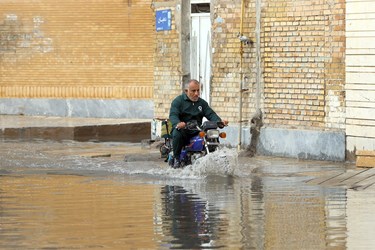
(51, 202)
(193, 222)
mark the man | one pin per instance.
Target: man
(184, 108)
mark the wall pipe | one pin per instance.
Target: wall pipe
(258, 13)
(241, 76)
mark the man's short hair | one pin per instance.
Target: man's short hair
(188, 83)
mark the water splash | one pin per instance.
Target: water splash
(223, 162)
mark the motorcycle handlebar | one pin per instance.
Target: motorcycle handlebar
(221, 124)
(193, 125)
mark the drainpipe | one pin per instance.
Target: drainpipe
(241, 76)
(258, 12)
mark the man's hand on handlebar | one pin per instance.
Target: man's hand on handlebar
(180, 125)
(222, 124)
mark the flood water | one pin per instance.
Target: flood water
(61, 196)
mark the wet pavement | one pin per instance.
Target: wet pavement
(59, 194)
(19, 127)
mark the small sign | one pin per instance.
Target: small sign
(163, 20)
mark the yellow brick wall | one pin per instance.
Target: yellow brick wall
(227, 64)
(76, 49)
(167, 57)
(303, 60)
(302, 55)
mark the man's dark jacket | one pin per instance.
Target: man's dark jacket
(184, 110)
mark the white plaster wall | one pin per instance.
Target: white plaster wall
(360, 75)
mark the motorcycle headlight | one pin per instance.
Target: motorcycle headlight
(213, 134)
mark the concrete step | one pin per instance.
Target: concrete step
(70, 128)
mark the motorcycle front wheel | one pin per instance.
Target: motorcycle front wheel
(212, 148)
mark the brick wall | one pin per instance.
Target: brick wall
(335, 71)
(227, 63)
(302, 54)
(76, 49)
(304, 64)
(167, 59)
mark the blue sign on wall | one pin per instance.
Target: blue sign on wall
(163, 20)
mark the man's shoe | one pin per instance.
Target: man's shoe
(176, 163)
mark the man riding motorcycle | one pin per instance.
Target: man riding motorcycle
(184, 108)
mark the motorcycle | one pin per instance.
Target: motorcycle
(205, 142)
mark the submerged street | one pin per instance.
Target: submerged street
(88, 88)
(80, 195)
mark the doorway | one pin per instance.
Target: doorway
(200, 46)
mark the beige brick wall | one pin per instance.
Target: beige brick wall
(76, 49)
(302, 63)
(226, 85)
(167, 59)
